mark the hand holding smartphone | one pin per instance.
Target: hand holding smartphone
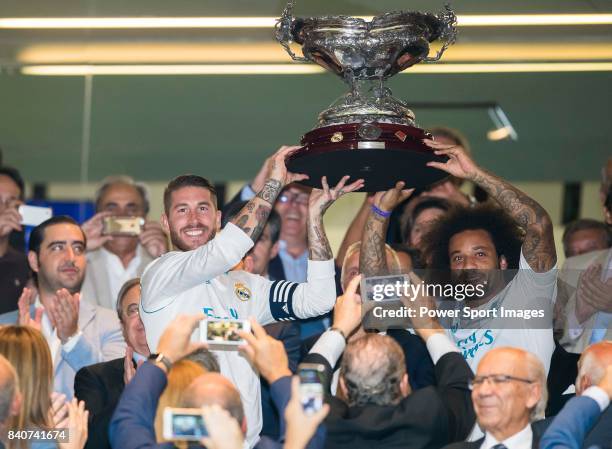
(311, 386)
(186, 424)
(122, 226)
(223, 332)
(34, 215)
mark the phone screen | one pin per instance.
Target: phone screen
(188, 426)
(311, 389)
(224, 331)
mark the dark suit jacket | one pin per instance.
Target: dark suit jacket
(100, 386)
(601, 434)
(419, 366)
(276, 272)
(427, 418)
(289, 334)
(562, 374)
(535, 442)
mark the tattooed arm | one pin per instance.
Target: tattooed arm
(318, 202)
(539, 245)
(372, 257)
(253, 216)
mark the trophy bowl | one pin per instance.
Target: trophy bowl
(367, 133)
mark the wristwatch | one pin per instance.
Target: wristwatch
(161, 358)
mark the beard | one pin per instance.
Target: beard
(183, 245)
(54, 282)
(475, 278)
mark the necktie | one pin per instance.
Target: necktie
(499, 446)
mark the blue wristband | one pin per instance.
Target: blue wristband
(380, 212)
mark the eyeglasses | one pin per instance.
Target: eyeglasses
(496, 379)
(299, 199)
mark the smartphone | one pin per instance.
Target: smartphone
(185, 424)
(384, 288)
(223, 332)
(126, 226)
(34, 215)
(311, 386)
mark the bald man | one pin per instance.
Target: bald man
(211, 389)
(10, 399)
(508, 392)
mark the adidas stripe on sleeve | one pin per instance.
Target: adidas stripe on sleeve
(281, 300)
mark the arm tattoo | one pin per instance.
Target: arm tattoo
(252, 221)
(539, 244)
(372, 258)
(270, 191)
(253, 216)
(318, 245)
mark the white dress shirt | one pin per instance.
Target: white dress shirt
(50, 334)
(520, 440)
(117, 273)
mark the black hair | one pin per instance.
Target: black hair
(38, 233)
(15, 176)
(428, 202)
(584, 224)
(187, 181)
(505, 233)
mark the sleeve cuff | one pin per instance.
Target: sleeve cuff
(279, 386)
(72, 342)
(330, 345)
(247, 193)
(439, 345)
(321, 269)
(598, 395)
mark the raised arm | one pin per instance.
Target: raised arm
(355, 229)
(372, 259)
(318, 202)
(253, 216)
(539, 245)
(316, 296)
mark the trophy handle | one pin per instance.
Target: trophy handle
(282, 31)
(448, 32)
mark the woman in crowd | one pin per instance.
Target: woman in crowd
(27, 350)
(180, 376)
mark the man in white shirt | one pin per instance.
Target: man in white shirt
(291, 261)
(112, 260)
(197, 277)
(78, 333)
(472, 247)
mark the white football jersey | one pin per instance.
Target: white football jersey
(199, 281)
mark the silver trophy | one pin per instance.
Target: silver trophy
(367, 133)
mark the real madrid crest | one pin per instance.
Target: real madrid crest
(242, 291)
